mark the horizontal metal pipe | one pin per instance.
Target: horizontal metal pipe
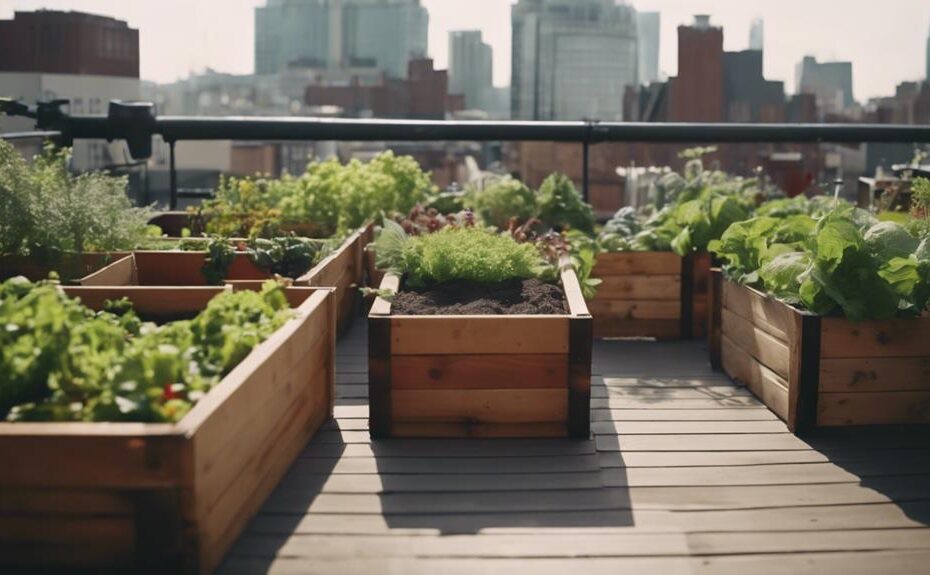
(29, 135)
(177, 128)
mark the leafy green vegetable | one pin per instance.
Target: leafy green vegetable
(502, 200)
(845, 262)
(220, 255)
(697, 208)
(561, 206)
(287, 256)
(63, 362)
(329, 198)
(889, 240)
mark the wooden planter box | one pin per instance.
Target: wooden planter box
(343, 270)
(821, 371)
(480, 376)
(651, 294)
(70, 267)
(169, 268)
(168, 498)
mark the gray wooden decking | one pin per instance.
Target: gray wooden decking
(687, 473)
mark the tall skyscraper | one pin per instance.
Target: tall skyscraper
(384, 34)
(757, 35)
(830, 82)
(647, 33)
(572, 59)
(471, 71)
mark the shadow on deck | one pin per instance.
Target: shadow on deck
(685, 472)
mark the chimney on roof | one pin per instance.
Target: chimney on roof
(702, 21)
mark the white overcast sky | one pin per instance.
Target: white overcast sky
(885, 40)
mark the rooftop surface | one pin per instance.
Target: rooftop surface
(686, 473)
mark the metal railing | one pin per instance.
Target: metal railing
(137, 122)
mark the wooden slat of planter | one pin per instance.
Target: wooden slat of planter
(870, 374)
(103, 543)
(637, 263)
(229, 425)
(103, 456)
(149, 301)
(254, 482)
(701, 264)
(466, 429)
(487, 371)
(465, 335)
(88, 501)
(122, 272)
(343, 270)
(178, 268)
(895, 407)
(714, 316)
(842, 338)
(765, 383)
(288, 384)
(647, 287)
(769, 314)
(572, 288)
(483, 406)
(767, 349)
(242, 446)
(635, 309)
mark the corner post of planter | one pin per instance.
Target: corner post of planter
(332, 314)
(379, 376)
(808, 372)
(159, 531)
(581, 333)
(715, 311)
(687, 300)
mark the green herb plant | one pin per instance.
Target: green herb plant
(471, 254)
(46, 211)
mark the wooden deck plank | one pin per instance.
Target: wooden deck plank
(686, 472)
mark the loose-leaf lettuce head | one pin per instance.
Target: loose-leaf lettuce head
(782, 275)
(888, 240)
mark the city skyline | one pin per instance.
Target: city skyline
(173, 48)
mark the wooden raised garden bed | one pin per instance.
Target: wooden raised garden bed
(821, 371)
(168, 498)
(651, 294)
(70, 267)
(480, 376)
(169, 268)
(344, 270)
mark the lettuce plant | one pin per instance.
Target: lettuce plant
(64, 362)
(502, 200)
(842, 262)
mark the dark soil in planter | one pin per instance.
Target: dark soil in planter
(513, 297)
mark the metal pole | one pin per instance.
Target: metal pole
(173, 203)
(585, 193)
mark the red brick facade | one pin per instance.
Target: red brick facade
(424, 95)
(55, 42)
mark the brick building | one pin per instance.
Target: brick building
(423, 95)
(696, 94)
(54, 42)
